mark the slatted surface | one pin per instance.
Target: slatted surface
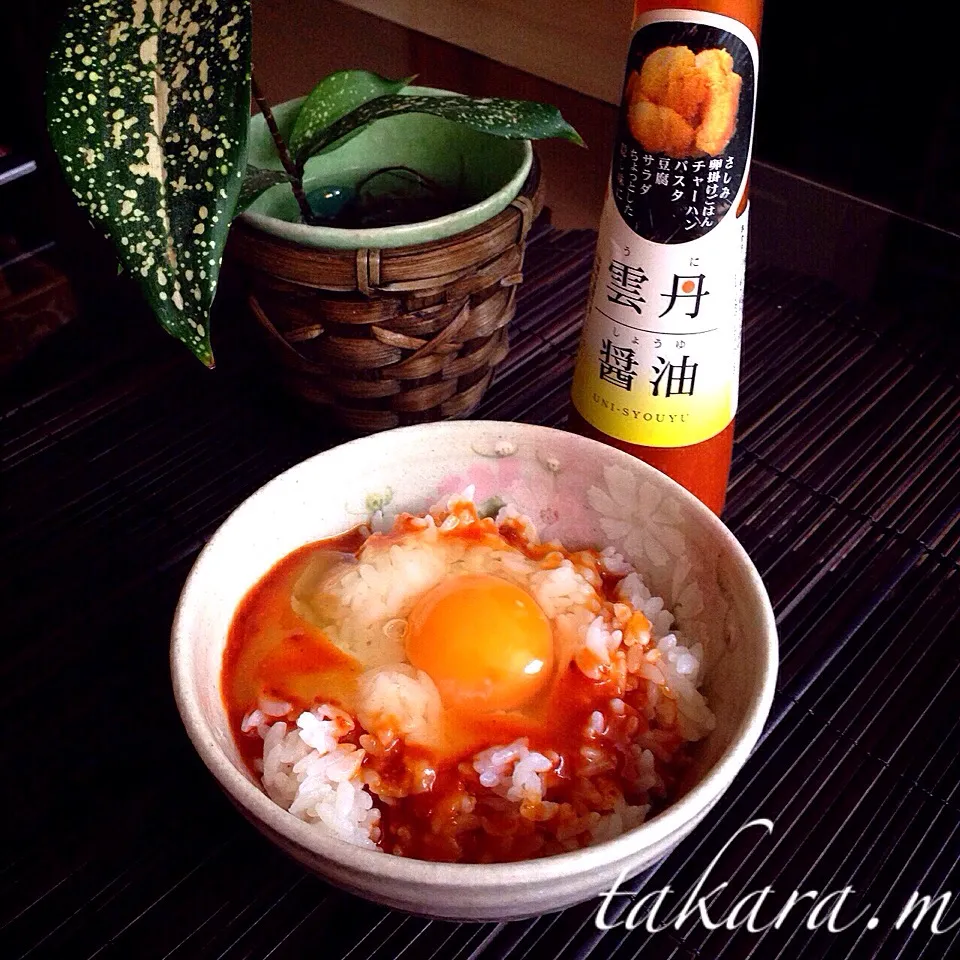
(844, 491)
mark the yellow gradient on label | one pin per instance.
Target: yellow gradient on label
(676, 421)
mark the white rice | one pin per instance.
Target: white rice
(307, 771)
(631, 589)
(561, 589)
(601, 642)
(513, 771)
(400, 701)
(527, 526)
(623, 818)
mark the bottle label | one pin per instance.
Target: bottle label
(660, 351)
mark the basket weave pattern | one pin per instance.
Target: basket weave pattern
(391, 337)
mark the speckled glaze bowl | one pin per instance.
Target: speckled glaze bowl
(580, 491)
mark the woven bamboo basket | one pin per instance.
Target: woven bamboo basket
(391, 337)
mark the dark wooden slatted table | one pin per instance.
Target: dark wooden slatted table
(120, 458)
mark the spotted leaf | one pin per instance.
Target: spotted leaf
(255, 181)
(513, 119)
(335, 96)
(147, 107)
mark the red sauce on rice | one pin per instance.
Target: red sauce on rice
(433, 806)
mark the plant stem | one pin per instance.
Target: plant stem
(296, 175)
(420, 178)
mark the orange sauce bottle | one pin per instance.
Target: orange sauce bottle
(658, 368)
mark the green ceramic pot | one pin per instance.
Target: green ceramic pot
(488, 170)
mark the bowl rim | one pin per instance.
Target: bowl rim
(415, 872)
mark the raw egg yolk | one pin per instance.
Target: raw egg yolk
(484, 642)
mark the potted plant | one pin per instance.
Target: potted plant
(148, 108)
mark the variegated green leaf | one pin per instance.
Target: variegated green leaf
(255, 182)
(513, 119)
(147, 107)
(335, 96)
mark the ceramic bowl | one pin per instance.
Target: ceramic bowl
(580, 491)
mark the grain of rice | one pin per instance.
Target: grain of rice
(251, 721)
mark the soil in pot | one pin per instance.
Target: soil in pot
(388, 197)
